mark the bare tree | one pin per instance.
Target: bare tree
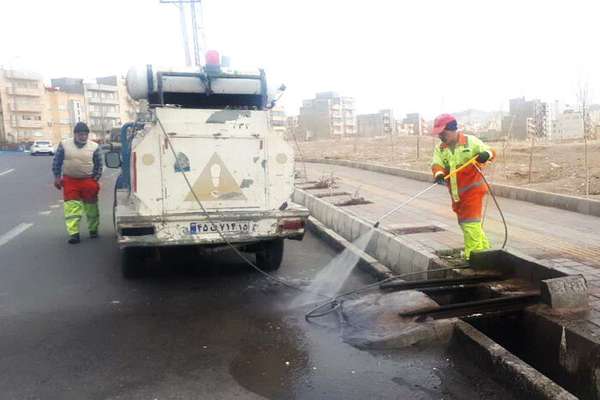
(506, 147)
(583, 98)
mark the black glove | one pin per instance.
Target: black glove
(439, 179)
(483, 157)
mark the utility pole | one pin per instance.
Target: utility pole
(195, 34)
(184, 34)
(197, 21)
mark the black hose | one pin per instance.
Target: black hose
(497, 205)
(336, 302)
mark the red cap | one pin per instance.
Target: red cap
(440, 123)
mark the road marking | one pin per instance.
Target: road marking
(8, 171)
(45, 212)
(55, 206)
(14, 232)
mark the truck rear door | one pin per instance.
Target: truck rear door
(223, 155)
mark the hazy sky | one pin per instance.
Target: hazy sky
(422, 55)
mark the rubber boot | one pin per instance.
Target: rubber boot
(74, 239)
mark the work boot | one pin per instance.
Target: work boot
(93, 234)
(74, 239)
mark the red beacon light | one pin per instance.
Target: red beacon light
(213, 62)
(213, 58)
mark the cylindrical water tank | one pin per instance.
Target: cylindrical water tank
(143, 81)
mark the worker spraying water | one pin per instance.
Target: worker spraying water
(456, 163)
(467, 187)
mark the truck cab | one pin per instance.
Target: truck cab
(203, 167)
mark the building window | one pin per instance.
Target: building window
(26, 117)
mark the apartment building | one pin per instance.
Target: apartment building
(102, 103)
(62, 110)
(569, 125)
(21, 107)
(107, 104)
(278, 120)
(327, 115)
(377, 124)
(526, 117)
(415, 122)
(128, 108)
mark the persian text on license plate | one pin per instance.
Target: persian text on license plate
(225, 227)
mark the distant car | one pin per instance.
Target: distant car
(41, 147)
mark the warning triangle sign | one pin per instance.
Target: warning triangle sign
(216, 183)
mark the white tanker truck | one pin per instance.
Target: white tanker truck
(203, 167)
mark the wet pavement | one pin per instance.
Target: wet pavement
(193, 328)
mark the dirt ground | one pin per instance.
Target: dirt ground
(556, 167)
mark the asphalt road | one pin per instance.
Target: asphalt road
(194, 328)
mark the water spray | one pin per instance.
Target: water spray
(422, 192)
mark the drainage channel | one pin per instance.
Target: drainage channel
(499, 318)
(506, 310)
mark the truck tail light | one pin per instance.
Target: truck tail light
(291, 224)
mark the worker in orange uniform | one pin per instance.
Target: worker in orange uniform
(467, 187)
(77, 168)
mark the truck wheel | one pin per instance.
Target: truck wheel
(269, 256)
(132, 262)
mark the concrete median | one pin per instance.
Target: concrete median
(399, 254)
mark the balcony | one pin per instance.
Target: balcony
(106, 114)
(16, 91)
(25, 75)
(98, 100)
(26, 124)
(29, 107)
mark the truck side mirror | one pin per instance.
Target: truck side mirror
(112, 159)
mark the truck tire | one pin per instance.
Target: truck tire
(270, 255)
(132, 262)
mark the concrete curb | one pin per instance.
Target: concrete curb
(366, 262)
(515, 373)
(400, 255)
(561, 201)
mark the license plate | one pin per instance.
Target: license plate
(197, 228)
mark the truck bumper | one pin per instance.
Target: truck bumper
(240, 228)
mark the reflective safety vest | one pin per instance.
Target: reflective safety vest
(446, 160)
(79, 161)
